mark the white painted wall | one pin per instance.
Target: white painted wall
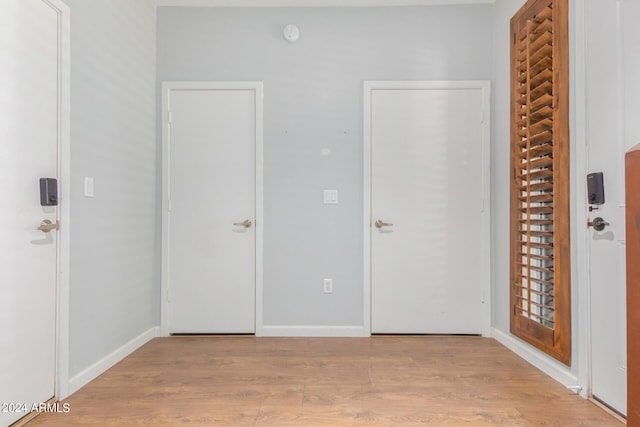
(313, 100)
(503, 10)
(114, 279)
(631, 71)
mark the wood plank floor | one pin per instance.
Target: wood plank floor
(378, 381)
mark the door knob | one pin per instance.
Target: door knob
(598, 224)
(380, 224)
(46, 226)
(246, 223)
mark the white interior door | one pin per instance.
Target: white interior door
(612, 36)
(427, 248)
(212, 216)
(29, 108)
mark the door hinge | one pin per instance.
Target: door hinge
(169, 117)
(169, 205)
(169, 295)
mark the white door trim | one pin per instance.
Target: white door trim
(582, 282)
(483, 85)
(61, 374)
(167, 87)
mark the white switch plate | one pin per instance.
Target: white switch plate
(328, 286)
(88, 186)
(330, 197)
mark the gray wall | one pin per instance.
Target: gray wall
(500, 160)
(313, 100)
(114, 276)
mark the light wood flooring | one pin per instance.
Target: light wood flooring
(378, 381)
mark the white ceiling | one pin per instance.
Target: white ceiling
(314, 3)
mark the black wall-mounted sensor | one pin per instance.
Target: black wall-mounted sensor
(48, 192)
(595, 188)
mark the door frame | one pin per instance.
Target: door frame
(167, 88)
(61, 386)
(485, 87)
(580, 270)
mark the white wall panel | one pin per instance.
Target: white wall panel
(114, 281)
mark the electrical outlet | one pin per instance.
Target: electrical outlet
(328, 286)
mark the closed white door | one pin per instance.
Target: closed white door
(212, 215)
(29, 108)
(612, 115)
(427, 249)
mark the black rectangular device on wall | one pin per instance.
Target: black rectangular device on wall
(595, 188)
(48, 192)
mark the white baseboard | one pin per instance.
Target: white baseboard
(554, 369)
(92, 372)
(313, 331)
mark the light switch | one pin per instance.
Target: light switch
(88, 186)
(330, 197)
(328, 286)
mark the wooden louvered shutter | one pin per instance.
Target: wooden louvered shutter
(540, 233)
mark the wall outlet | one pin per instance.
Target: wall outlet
(328, 286)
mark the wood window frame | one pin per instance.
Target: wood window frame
(540, 259)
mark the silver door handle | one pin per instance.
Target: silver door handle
(598, 224)
(380, 224)
(246, 224)
(46, 226)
